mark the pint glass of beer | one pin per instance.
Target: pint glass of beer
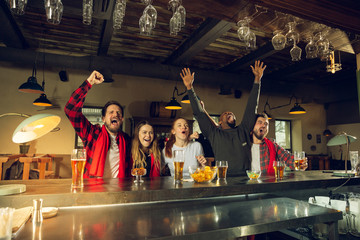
(178, 165)
(279, 167)
(299, 160)
(78, 160)
(222, 167)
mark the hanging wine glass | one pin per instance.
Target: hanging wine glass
(295, 53)
(250, 40)
(244, 29)
(145, 25)
(151, 11)
(292, 37)
(119, 13)
(311, 49)
(18, 6)
(322, 45)
(278, 40)
(182, 12)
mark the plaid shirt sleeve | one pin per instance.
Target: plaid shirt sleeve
(73, 110)
(281, 154)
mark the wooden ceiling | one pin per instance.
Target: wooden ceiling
(208, 43)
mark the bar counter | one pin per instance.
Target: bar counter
(161, 209)
(58, 193)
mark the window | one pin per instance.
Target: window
(93, 114)
(283, 133)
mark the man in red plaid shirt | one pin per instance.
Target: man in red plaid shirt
(107, 147)
(265, 151)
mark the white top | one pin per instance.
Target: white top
(111, 169)
(190, 151)
(255, 157)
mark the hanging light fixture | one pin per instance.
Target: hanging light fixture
(327, 133)
(333, 66)
(185, 99)
(42, 101)
(297, 109)
(173, 104)
(31, 86)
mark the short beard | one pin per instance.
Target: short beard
(111, 129)
(259, 137)
(232, 125)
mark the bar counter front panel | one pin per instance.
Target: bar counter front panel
(158, 208)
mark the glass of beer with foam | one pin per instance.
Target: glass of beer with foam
(78, 160)
(178, 165)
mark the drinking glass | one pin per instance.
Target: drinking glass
(250, 40)
(54, 11)
(311, 49)
(292, 37)
(119, 13)
(295, 53)
(322, 44)
(222, 167)
(244, 29)
(300, 161)
(178, 165)
(279, 167)
(78, 160)
(17, 6)
(278, 41)
(87, 11)
(182, 12)
(138, 173)
(151, 11)
(6, 219)
(354, 158)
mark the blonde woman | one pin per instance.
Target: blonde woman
(179, 140)
(145, 151)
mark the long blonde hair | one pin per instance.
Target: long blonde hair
(137, 153)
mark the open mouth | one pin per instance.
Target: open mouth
(114, 121)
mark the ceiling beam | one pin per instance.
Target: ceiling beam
(244, 62)
(11, 34)
(107, 31)
(210, 30)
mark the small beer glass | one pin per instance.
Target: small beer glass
(222, 167)
(279, 167)
(178, 165)
(78, 160)
(299, 161)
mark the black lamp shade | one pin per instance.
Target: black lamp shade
(185, 99)
(327, 133)
(297, 109)
(42, 101)
(173, 105)
(268, 115)
(31, 86)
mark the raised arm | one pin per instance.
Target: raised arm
(251, 108)
(73, 108)
(205, 122)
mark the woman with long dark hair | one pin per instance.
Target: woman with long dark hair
(179, 140)
(145, 152)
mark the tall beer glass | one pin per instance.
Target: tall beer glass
(178, 165)
(222, 167)
(78, 160)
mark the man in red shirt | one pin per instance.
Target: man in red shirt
(107, 147)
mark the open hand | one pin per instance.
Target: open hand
(258, 70)
(187, 78)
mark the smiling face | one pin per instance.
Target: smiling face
(261, 128)
(181, 129)
(227, 120)
(113, 119)
(146, 135)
